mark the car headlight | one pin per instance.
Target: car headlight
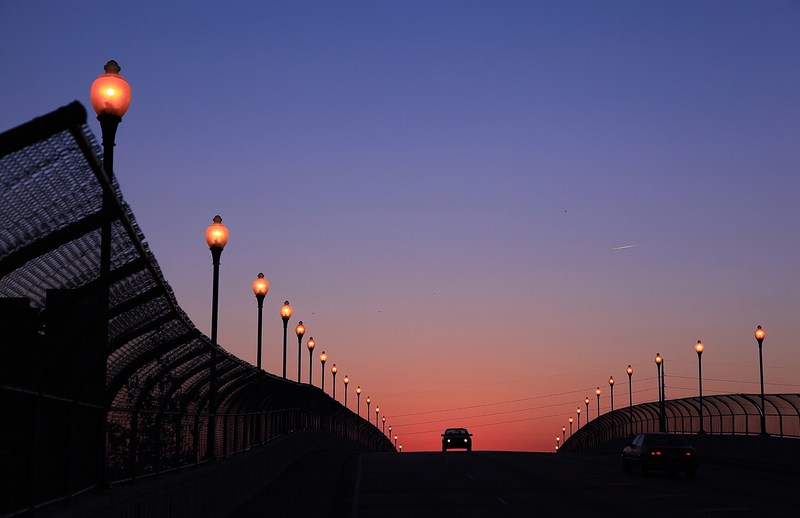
(465, 440)
(448, 440)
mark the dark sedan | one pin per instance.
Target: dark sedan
(456, 438)
(660, 451)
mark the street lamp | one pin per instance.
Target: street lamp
(300, 330)
(586, 400)
(699, 348)
(400, 448)
(395, 442)
(661, 421)
(760, 334)
(383, 424)
(216, 238)
(570, 426)
(260, 289)
(334, 370)
(322, 359)
(629, 370)
(377, 411)
(597, 391)
(286, 313)
(368, 402)
(564, 433)
(558, 442)
(611, 384)
(390, 430)
(578, 411)
(346, 382)
(358, 400)
(311, 344)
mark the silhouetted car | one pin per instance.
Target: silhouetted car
(456, 438)
(660, 451)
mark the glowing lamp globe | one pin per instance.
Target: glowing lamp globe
(110, 93)
(217, 234)
(699, 347)
(286, 310)
(611, 380)
(346, 379)
(358, 389)
(760, 334)
(334, 369)
(311, 344)
(629, 370)
(658, 359)
(300, 329)
(323, 357)
(260, 286)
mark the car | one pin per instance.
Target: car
(456, 438)
(660, 451)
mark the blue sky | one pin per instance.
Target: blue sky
(437, 186)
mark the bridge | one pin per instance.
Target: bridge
(114, 403)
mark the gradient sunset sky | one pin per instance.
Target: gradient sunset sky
(446, 191)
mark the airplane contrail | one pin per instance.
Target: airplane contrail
(623, 247)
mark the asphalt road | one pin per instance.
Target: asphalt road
(509, 484)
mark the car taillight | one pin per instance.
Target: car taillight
(655, 453)
(688, 454)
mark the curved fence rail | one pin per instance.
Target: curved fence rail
(103, 377)
(729, 414)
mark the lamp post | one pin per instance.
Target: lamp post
(400, 448)
(564, 433)
(578, 411)
(346, 381)
(597, 391)
(377, 411)
(395, 442)
(260, 289)
(368, 402)
(570, 426)
(586, 401)
(699, 348)
(310, 344)
(286, 313)
(358, 400)
(760, 334)
(383, 424)
(322, 359)
(629, 370)
(390, 430)
(558, 442)
(611, 384)
(216, 238)
(300, 330)
(334, 370)
(661, 421)
(110, 96)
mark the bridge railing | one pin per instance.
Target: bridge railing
(103, 377)
(728, 414)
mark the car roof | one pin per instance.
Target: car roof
(456, 430)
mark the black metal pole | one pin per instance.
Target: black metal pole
(260, 299)
(299, 354)
(345, 396)
(598, 405)
(700, 387)
(216, 253)
(663, 396)
(322, 385)
(761, 372)
(334, 385)
(612, 407)
(630, 402)
(358, 404)
(310, 364)
(108, 127)
(285, 323)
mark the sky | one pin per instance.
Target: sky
(442, 190)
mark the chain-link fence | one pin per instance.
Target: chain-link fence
(103, 377)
